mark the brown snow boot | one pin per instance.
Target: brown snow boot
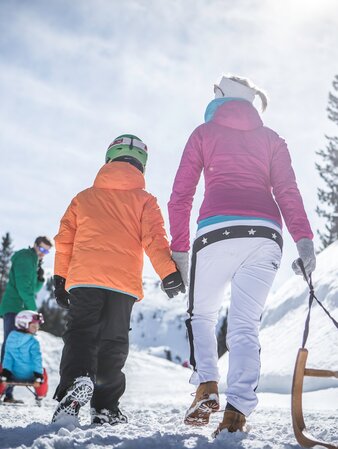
(206, 402)
(232, 421)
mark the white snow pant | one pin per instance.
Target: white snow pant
(250, 264)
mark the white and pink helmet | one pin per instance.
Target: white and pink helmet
(25, 317)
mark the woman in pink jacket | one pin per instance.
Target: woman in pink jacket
(249, 185)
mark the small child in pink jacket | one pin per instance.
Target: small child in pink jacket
(249, 186)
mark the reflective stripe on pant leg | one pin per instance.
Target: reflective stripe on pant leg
(190, 310)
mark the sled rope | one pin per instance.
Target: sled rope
(312, 296)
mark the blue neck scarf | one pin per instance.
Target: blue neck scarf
(215, 104)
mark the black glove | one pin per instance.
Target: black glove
(61, 295)
(5, 375)
(40, 273)
(38, 377)
(173, 284)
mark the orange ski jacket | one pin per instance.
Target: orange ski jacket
(105, 229)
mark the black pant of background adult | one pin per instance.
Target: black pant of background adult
(9, 326)
(96, 344)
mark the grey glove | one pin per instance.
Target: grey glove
(307, 254)
(181, 259)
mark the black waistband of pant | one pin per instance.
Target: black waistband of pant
(237, 232)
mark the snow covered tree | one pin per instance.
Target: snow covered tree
(55, 317)
(328, 171)
(6, 252)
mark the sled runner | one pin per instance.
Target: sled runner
(39, 392)
(301, 434)
(303, 437)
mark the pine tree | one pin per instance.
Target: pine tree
(6, 252)
(328, 171)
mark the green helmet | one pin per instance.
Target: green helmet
(127, 148)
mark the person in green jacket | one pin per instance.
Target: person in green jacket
(25, 280)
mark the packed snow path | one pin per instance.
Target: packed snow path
(158, 428)
(155, 401)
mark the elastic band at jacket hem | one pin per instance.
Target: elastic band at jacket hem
(104, 288)
(224, 218)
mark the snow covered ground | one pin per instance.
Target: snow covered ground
(158, 391)
(157, 396)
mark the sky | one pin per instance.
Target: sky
(74, 75)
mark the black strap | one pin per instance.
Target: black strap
(312, 296)
(236, 232)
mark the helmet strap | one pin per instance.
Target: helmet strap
(131, 160)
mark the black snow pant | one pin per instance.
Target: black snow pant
(96, 344)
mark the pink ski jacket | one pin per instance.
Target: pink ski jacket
(247, 172)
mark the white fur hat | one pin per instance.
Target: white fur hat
(230, 88)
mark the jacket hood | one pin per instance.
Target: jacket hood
(19, 339)
(238, 115)
(120, 176)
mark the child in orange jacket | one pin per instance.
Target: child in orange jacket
(98, 277)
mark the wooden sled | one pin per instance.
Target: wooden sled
(39, 392)
(304, 438)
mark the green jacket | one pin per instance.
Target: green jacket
(22, 284)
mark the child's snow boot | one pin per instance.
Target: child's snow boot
(78, 394)
(105, 416)
(12, 401)
(206, 402)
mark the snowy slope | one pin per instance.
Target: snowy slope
(283, 325)
(157, 396)
(158, 324)
(158, 392)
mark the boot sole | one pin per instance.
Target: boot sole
(201, 415)
(71, 404)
